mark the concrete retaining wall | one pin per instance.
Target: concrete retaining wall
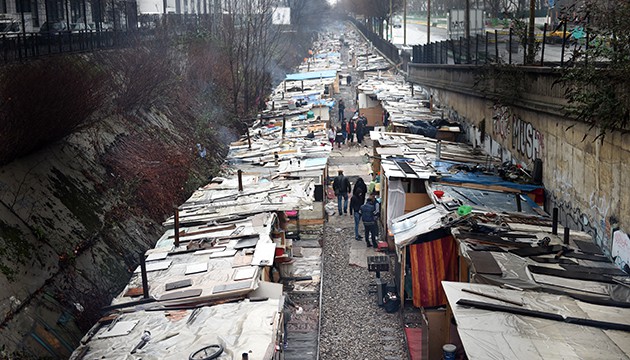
(587, 179)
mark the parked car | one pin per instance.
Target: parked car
(53, 28)
(81, 27)
(9, 27)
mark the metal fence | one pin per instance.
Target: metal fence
(30, 45)
(501, 46)
(388, 49)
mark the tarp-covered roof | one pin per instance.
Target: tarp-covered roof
(240, 327)
(489, 334)
(311, 75)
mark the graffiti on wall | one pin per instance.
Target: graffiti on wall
(501, 120)
(595, 217)
(526, 140)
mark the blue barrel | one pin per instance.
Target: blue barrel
(448, 352)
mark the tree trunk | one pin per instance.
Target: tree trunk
(531, 45)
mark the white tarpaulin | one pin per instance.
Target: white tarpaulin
(395, 200)
(409, 226)
(492, 335)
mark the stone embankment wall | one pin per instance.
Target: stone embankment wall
(76, 214)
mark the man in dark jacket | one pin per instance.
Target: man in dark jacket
(355, 209)
(351, 125)
(341, 186)
(369, 213)
(360, 189)
(360, 128)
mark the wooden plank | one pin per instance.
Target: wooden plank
(135, 291)
(484, 187)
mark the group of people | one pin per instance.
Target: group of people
(364, 210)
(348, 128)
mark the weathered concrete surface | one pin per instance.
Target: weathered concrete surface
(586, 179)
(69, 240)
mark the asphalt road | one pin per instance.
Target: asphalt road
(417, 35)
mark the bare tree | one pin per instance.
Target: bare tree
(249, 41)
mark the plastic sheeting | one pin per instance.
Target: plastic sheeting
(498, 335)
(243, 327)
(407, 227)
(311, 75)
(494, 201)
(477, 177)
(395, 200)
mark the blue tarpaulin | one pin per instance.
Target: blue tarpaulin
(312, 75)
(478, 177)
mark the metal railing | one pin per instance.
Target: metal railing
(388, 49)
(551, 48)
(31, 45)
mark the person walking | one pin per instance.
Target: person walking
(351, 125)
(339, 137)
(341, 186)
(342, 109)
(355, 210)
(368, 213)
(344, 129)
(331, 137)
(360, 128)
(360, 189)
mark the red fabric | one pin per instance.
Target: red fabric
(414, 340)
(539, 196)
(431, 263)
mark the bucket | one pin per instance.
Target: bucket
(448, 352)
(285, 269)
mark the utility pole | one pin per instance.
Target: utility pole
(405, 22)
(389, 23)
(428, 21)
(467, 20)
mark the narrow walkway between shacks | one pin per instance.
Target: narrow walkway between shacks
(353, 325)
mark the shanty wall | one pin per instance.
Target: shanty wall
(587, 179)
